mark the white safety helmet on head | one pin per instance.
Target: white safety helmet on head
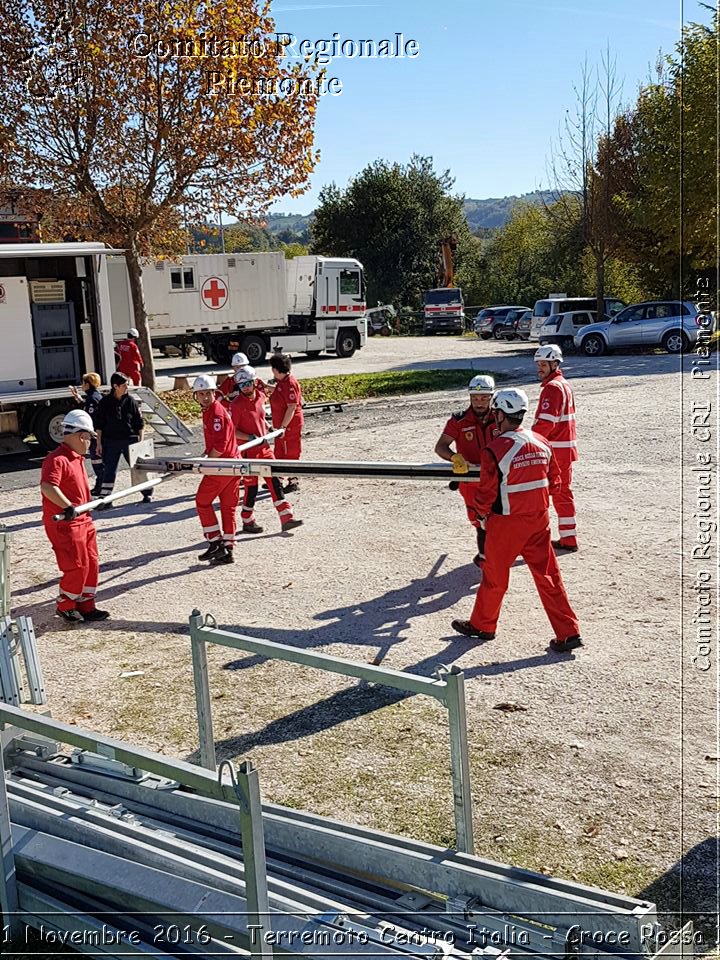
(245, 375)
(133, 332)
(511, 402)
(204, 382)
(239, 360)
(481, 384)
(551, 351)
(75, 421)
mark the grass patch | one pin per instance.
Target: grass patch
(351, 386)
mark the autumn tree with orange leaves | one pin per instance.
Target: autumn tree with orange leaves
(141, 116)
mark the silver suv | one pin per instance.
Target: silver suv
(670, 324)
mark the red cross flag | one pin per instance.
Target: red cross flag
(214, 293)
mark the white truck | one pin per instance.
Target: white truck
(56, 323)
(252, 302)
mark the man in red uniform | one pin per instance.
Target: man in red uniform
(220, 441)
(228, 388)
(130, 361)
(517, 470)
(248, 415)
(470, 430)
(555, 420)
(286, 409)
(64, 486)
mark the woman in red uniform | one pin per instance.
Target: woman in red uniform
(286, 408)
(248, 415)
(220, 442)
(130, 361)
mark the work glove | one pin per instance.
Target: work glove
(70, 513)
(454, 485)
(251, 436)
(459, 463)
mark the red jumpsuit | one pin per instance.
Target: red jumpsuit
(130, 363)
(287, 391)
(248, 416)
(517, 471)
(74, 541)
(219, 435)
(227, 387)
(471, 434)
(555, 421)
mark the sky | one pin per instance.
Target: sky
(488, 90)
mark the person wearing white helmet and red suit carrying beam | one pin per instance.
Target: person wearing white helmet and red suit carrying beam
(64, 484)
(130, 361)
(518, 471)
(220, 442)
(555, 420)
(470, 431)
(248, 416)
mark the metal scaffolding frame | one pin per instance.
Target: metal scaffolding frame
(4, 571)
(448, 689)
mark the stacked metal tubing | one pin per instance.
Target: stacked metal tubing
(143, 855)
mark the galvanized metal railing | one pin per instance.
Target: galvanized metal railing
(448, 689)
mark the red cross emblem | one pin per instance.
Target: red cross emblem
(214, 293)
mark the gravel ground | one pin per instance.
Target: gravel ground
(603, 777)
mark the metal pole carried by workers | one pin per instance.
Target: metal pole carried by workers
(274, 468)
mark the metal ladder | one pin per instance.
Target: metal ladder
(169, 428)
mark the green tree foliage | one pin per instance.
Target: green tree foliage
(392, 217)
(664, 156)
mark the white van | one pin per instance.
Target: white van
(544, 309)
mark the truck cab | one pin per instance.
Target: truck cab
(443, 311)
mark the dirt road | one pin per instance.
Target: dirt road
(601, 777)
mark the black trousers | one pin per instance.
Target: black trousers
(112, 450)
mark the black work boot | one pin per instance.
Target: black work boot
(95, 614)
(212, 549)
(221, 557)
(252, 527)
(72, 616)
(291, 524)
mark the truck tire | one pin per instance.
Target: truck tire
(47, 424)
(255, 349)
(346, 343)
(219, 351)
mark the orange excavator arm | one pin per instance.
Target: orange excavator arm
(446, 271)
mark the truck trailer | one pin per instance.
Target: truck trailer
(250, 302)
(56, 323)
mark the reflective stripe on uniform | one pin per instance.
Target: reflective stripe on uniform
(564, 418)
(519, 439)
(530, 485)
(563, 443)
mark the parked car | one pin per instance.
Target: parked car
(522, 325)
(670, 324)
(562, 328)
(545, 309)
(508, 327)
(490, 321)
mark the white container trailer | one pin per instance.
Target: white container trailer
(55, 324)
(253, 302)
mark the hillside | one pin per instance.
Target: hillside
(490, 213)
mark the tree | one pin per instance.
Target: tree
(392, 218)
(136, 111)
(665, 151)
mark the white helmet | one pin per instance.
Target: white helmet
(239, 360)
(245, 375)
(204, 382)
(481, 384)
(550, 351)
(133, 332)
(77, 420)
(511, 402)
